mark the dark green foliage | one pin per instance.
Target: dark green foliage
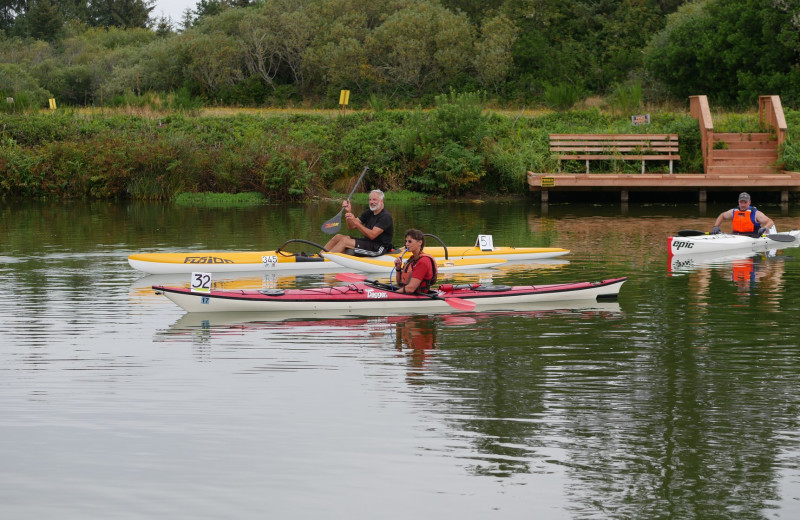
(456, 149)
(731, 51)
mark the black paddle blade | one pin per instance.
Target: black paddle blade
(777, 237)
(691, 233)
(333, 226)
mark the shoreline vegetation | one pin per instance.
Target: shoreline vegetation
(456, 149)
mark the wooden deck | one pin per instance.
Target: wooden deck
(783, 183)
(732, 162)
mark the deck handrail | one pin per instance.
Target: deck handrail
(699, 109)
(770, 115)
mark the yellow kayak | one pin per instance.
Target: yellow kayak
(279, 260)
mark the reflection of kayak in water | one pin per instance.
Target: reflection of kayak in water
(686, 263)
(373, 297)
(223, 322)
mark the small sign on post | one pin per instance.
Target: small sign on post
(344, 99)
(547, 182)
(643, 119)
(10, 100)
(52, 103)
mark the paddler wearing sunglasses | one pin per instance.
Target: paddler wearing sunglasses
(418, 274)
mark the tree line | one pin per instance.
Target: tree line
(398, 52)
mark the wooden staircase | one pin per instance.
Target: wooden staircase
(747, 154)
(743, 154)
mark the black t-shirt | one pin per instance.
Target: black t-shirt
(382, 220)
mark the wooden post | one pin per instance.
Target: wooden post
(703, 196)
(623, 196)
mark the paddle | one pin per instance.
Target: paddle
(335, 224)
(777, 237)
(456, 303)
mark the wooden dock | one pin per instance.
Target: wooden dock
(731, 163)
(624, 183)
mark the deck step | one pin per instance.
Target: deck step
(744, 137)
(746, 154)
(716, 169)
(744, 162)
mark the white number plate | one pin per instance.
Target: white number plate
(201, 282)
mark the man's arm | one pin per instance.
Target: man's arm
(725, 215)
(764, 220)
(370, 234)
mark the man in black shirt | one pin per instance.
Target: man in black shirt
(374, 223)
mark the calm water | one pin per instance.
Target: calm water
(682, 400)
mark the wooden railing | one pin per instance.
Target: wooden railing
(698, 108)
(770, 115)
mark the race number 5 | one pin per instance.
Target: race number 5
(485, 243)
(201, 282)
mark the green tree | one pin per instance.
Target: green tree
(730, 51)
(492, 58)
(421, 45)
(121, 13)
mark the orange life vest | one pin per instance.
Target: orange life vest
(745, 221)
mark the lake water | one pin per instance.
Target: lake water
(681, 400)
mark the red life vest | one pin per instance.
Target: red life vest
(745, 221)
(408, 268)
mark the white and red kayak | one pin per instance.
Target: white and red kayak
(374, 296)
(723, 243)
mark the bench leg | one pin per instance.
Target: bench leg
(670, 167)
(642, 165)
(587, 165)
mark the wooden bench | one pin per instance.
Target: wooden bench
(639, 147)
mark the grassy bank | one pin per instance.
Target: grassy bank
(455, 149)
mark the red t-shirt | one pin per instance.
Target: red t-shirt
(422, 270)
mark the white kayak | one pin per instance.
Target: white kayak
(723, 243)
(373, 296)
(385, 267)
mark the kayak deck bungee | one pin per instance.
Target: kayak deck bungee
(353, 297)
(723, 243)
(379, 265)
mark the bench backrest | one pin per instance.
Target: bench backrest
(614, 143)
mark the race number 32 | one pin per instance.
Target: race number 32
(201, 282)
